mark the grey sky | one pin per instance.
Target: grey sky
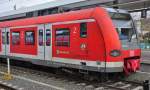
(7, 5)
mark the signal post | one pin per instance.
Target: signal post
(7, 75)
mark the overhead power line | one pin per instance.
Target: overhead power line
(128, 3)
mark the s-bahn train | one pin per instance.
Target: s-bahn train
(96, 39)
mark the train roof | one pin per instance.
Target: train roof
(51, 8)
(61, 17)
(53, 4)
(40, 7)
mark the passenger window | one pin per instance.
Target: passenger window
(15, 38)
(7, 38)
(3, 37)
(63, 37)
(41, 37)
(29, 38)
(83, 30)
(48, 37)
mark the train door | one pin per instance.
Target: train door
(84, 40)
(48, 45)
(7, 33)
(5, 41)
(62, 47)
(70, 41)
(41, 41)
(44, 42)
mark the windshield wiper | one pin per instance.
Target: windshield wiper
(130, 38)
(133, 31)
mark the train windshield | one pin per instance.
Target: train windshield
(126, 33)
(120, 16)
(124, 25)
(125, 28)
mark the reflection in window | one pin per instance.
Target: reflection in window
(41, 37)
(7, 41)
(124, 33)
(29, 38)
(83, 30)
(120, 16)
(62, 37)
(48, 37)
(15, 38)
(3, 37)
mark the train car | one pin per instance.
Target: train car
(96, 39)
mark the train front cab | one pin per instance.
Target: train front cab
(126, 30)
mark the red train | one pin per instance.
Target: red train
(97, 39)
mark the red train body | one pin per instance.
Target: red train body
(85, 39)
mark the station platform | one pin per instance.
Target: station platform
(145, 57)
(145, 62)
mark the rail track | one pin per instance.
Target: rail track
(77, 80)
(6, 87)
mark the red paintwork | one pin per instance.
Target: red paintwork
(126, 53)
(69, 16)
(94, 50)
(104, 22)
(22, 48)
(102, 36)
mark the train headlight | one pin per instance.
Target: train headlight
(115, 53)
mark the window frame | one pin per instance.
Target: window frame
(7, 37)
(59, 29)
(33, 37)
(3, 38)
(19, 37)
(39, 43)
(47, 36)
(83, 29)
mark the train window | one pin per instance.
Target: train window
(48, 37)
(83, 30)
(62, 37)
(3, 37)
(29, 38)
(7, 37)
(15, 38)
(124, 33)
(41, 37)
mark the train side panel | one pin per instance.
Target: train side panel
(23, 41)
(89, 47)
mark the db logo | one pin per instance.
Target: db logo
(83, 46)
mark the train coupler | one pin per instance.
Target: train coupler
(131, 66)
